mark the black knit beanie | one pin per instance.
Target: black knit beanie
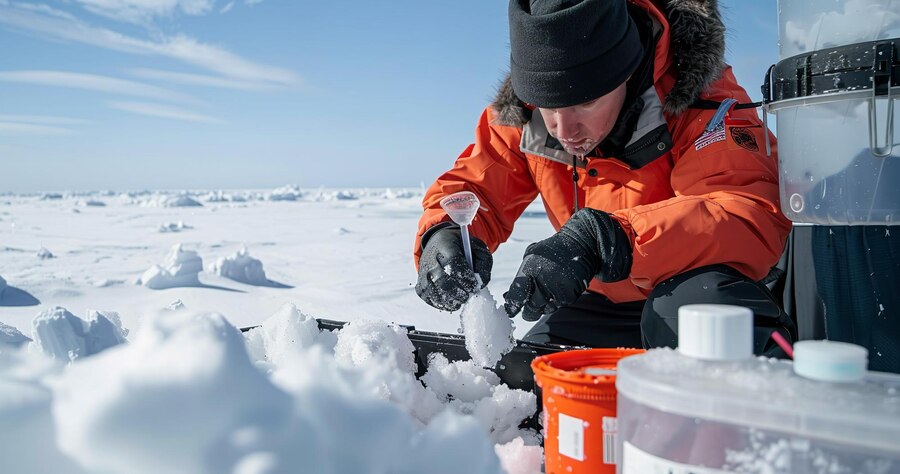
(567, 52)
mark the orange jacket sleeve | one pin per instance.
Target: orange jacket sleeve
(497, 172)
(726, 204)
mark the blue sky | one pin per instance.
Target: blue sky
(174, 94)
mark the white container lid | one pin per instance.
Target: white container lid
(715, 331)
(830, 361)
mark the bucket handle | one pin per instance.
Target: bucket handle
(882, 79)
(767, 98)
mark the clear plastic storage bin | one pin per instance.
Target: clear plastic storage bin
(680, 412)
(833, 93)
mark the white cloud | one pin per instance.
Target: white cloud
(143, 11)
(43, 119)
(163, 111)
(227, 8)
(54, 24)
(196, 79)
(94, 83)
(14, 128)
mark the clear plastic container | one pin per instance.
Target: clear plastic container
(711, 407)
(830, 172)
(679, 414)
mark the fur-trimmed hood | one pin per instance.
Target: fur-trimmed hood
(697, 42)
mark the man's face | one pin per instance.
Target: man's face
(580, 128)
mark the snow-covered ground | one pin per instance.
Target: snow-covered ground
(145, 371)
(334, 257)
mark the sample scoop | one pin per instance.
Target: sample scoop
(462, 207)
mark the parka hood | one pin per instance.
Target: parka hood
(696, 44)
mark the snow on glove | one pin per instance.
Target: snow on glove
(557, 270)
(445, 279)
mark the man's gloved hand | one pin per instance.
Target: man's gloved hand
(557, 270)
(445, 279)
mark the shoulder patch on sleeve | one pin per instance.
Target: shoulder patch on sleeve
(715, 128)
(744, 138)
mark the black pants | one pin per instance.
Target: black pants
(594, 321)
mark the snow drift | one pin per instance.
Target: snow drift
(180, 268)
(241, 267)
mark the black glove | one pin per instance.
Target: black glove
(445, 279)
(557, 270)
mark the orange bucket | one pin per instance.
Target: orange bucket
(579, 416)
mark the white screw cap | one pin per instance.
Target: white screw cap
(715, 331)
(830, 361)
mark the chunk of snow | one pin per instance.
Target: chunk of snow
(28, 434)
(459, 380)
(288, 331)
(397, 193)
(487, 328)
(241, 267)
(45, 254)
(165, 402)
(217, 196)
(180, 268)
(65, 337)
(437, 446)
(502, 413)
(181, 200)
(174, 227)
(346, 195)
(10, 336)
(51, 196)
(176, 305)
(2, 286)
(286, 193)
(92, 203)
(519, 458)
(365, 342)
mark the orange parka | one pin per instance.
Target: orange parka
(691, 188)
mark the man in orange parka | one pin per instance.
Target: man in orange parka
(625, 119)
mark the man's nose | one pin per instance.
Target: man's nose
(566, 125)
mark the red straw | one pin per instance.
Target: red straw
(783, 344)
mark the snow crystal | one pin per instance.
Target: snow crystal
(181, 268)
(44, 254)
(10, 336)
(174, 227)
(460, 380)
(487, 328)
(65, 337)
(241, 267)
(519, 458)
(286, 193)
